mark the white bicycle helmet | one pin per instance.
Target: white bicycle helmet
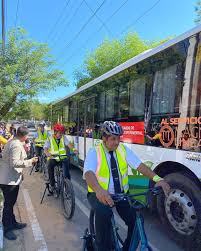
(112, 128)
(42, 124)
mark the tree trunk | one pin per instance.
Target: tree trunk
(4, 110)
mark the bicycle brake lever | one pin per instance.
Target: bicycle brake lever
(157, 190)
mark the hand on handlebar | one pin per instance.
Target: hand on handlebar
(104, 197)
(49, 155)
(34, 160)
(165, 186)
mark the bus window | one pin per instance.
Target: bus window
(123, 101)
(66, 113)
(109, 103)
(73, 111)
(101, 107)
(164, 90)
(137, 97)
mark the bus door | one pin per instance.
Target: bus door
(86, 123)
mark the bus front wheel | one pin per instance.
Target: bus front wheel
(181, 210)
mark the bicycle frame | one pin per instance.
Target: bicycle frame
(138, 234)
(61, 177)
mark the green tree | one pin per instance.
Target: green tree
(111, 54)
(47, 111)
(20, 110)
(198, 12)
(27, 69)
(29, 109)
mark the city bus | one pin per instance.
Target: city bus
(156, 97)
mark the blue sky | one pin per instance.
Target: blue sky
(54, 22)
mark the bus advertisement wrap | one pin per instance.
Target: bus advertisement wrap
(133, 132)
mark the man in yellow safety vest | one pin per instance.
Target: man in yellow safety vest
(106, 172)
(39, 140)
(56, 145)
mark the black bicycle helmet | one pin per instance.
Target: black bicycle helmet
(112, 128)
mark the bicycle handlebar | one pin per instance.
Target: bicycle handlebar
(59, 155)
(130, 197)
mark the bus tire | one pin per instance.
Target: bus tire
(180, 212)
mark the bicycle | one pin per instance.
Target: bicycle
(138, 236)
(64, 188)
(43, 165)
(42, 160)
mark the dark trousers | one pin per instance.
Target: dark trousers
(38, 152)
(52, 163)
(10, 196)
(103, 215)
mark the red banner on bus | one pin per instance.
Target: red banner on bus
(133, 132)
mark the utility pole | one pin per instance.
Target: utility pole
(3, 25)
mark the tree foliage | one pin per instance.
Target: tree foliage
(27, 69)
(198, 12)
(111, 54)
(29, 109)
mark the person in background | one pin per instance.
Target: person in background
(3, 141)
(188, 143)
(11, 168)
(96, 134)
(13, 130)
(2, 129)
(155, 139)
(89, 132)
(39, 140)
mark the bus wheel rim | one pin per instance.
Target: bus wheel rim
(181, 212)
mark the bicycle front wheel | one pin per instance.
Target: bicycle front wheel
(68, 198)
(57, 181)
(93, 232)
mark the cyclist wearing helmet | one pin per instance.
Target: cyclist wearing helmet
(106, 172)
(39, 140)
(56, 144)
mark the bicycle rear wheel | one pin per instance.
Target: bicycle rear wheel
(68, 198)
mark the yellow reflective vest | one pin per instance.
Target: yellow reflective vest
(40, 140)
(3, 141)
(57, 149)
(103, 172)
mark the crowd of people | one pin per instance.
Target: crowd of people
(7, 132)
(15, 147)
